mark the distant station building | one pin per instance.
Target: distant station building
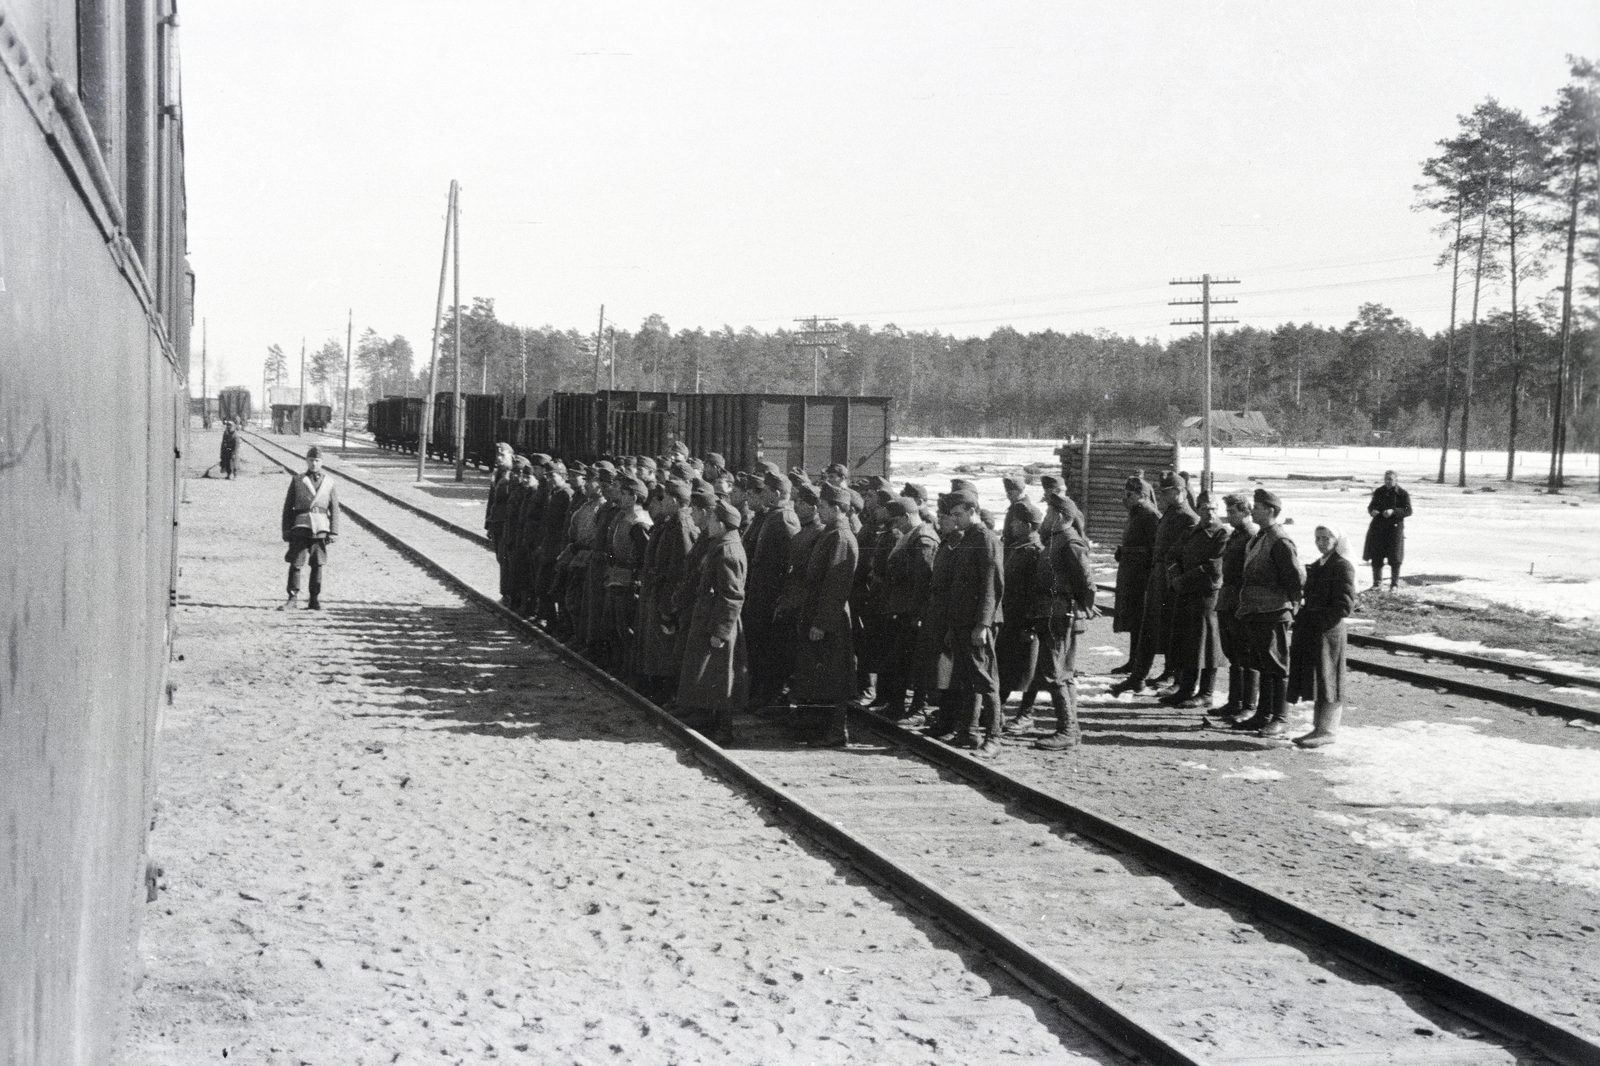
(1229, 429)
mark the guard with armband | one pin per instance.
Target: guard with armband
(310, 525)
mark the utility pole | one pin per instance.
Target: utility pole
(205, 412)
(300, 418)
(819, 335)
(460, 401)
(1205, 281)
(349, 341)
(599, 336)
(522, 334)
(611, 362)
(426, 435)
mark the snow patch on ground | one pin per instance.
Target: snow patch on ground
(1564, 850)
(1378, 766)
(1254, 773)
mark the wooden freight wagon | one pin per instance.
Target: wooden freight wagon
(233, 405)
(318, 415)
(396, 422)
(1095, 472)
(525, 435)
(810, 432)
(478, 438)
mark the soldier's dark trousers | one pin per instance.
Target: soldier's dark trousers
(315, 588)
(1058, 664)
(900, 639)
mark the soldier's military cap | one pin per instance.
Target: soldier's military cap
(313, 452)
(806, 493)
(798, 476)
(1136, 484)
(677, 489)
(902, 505)
(828, 492)
(703, 495)
(961, 484)
(539, 459)
(944, 502)
(964, 498)
(914, 491)
(681, 470)
(1237, 499)
(578, 469)
(558, 467)
(604, 466)
(679, 449)
(713, 457)
(1170, 480)
(1011, 484)
(1026, 510)
(741, 480)
(728, 514)
(839, 469)
(1268, 498)
(1050, 485)
(877, 483)
(646, 463)
(629, 483)
(775, 481)
(520, 462)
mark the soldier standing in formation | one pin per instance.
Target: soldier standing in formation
(1155, 628)
(1195, 650)
(1061, 608)
(1134, 557)
(823, 682)
(715, 678)
(1274, 581)
(1243, 682)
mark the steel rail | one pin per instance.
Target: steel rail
(1125, 1031)
(1459, 686)
(421, 512)
(1452, 993)
(1476, 662)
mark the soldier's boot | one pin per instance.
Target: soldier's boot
(835, 731)
(1134, 684)
(1275, 695)
(1186, 682)
(1377, 576)
(722, 728)
(1324, 726)
(968, 736)
(1262, 713)
(1022, 721)
(1394, 577)
(1232, 708)
(1203, 692)
(289, 604)
(942, 723)
(1066, 734)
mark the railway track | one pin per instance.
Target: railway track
(1166, 958)
(1517, 685)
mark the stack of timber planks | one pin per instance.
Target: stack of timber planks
(1095, 472)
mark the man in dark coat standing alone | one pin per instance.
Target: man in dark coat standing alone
(310, 524)
(1389, 507)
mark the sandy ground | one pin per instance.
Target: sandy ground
(394, 832)
(1495, 542)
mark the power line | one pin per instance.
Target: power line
(1205, 281)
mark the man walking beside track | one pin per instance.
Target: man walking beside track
(310, 525)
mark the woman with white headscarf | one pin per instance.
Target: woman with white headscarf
(1316, 657)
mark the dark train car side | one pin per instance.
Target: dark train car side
(94, 324)
(234, 404)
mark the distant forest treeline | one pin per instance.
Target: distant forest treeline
(1377, 375)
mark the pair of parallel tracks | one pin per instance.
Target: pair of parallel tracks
(1165, 957)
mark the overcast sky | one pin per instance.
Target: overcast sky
(932, 164)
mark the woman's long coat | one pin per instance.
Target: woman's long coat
(717, 679)
(1196, 638)
(825, 670)
(671, 541)
(1386, 537)
(1316, 652)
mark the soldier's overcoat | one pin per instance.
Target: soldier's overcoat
(825, 670)
(716, 679)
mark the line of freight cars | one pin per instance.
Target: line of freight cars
(793, 431)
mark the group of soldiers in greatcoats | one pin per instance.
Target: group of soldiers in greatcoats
(1204, 591)
(713, 591)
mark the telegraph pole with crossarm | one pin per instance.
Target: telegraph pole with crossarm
(1205, 321)
(820, 335)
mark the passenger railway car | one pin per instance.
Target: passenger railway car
(94, 363)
